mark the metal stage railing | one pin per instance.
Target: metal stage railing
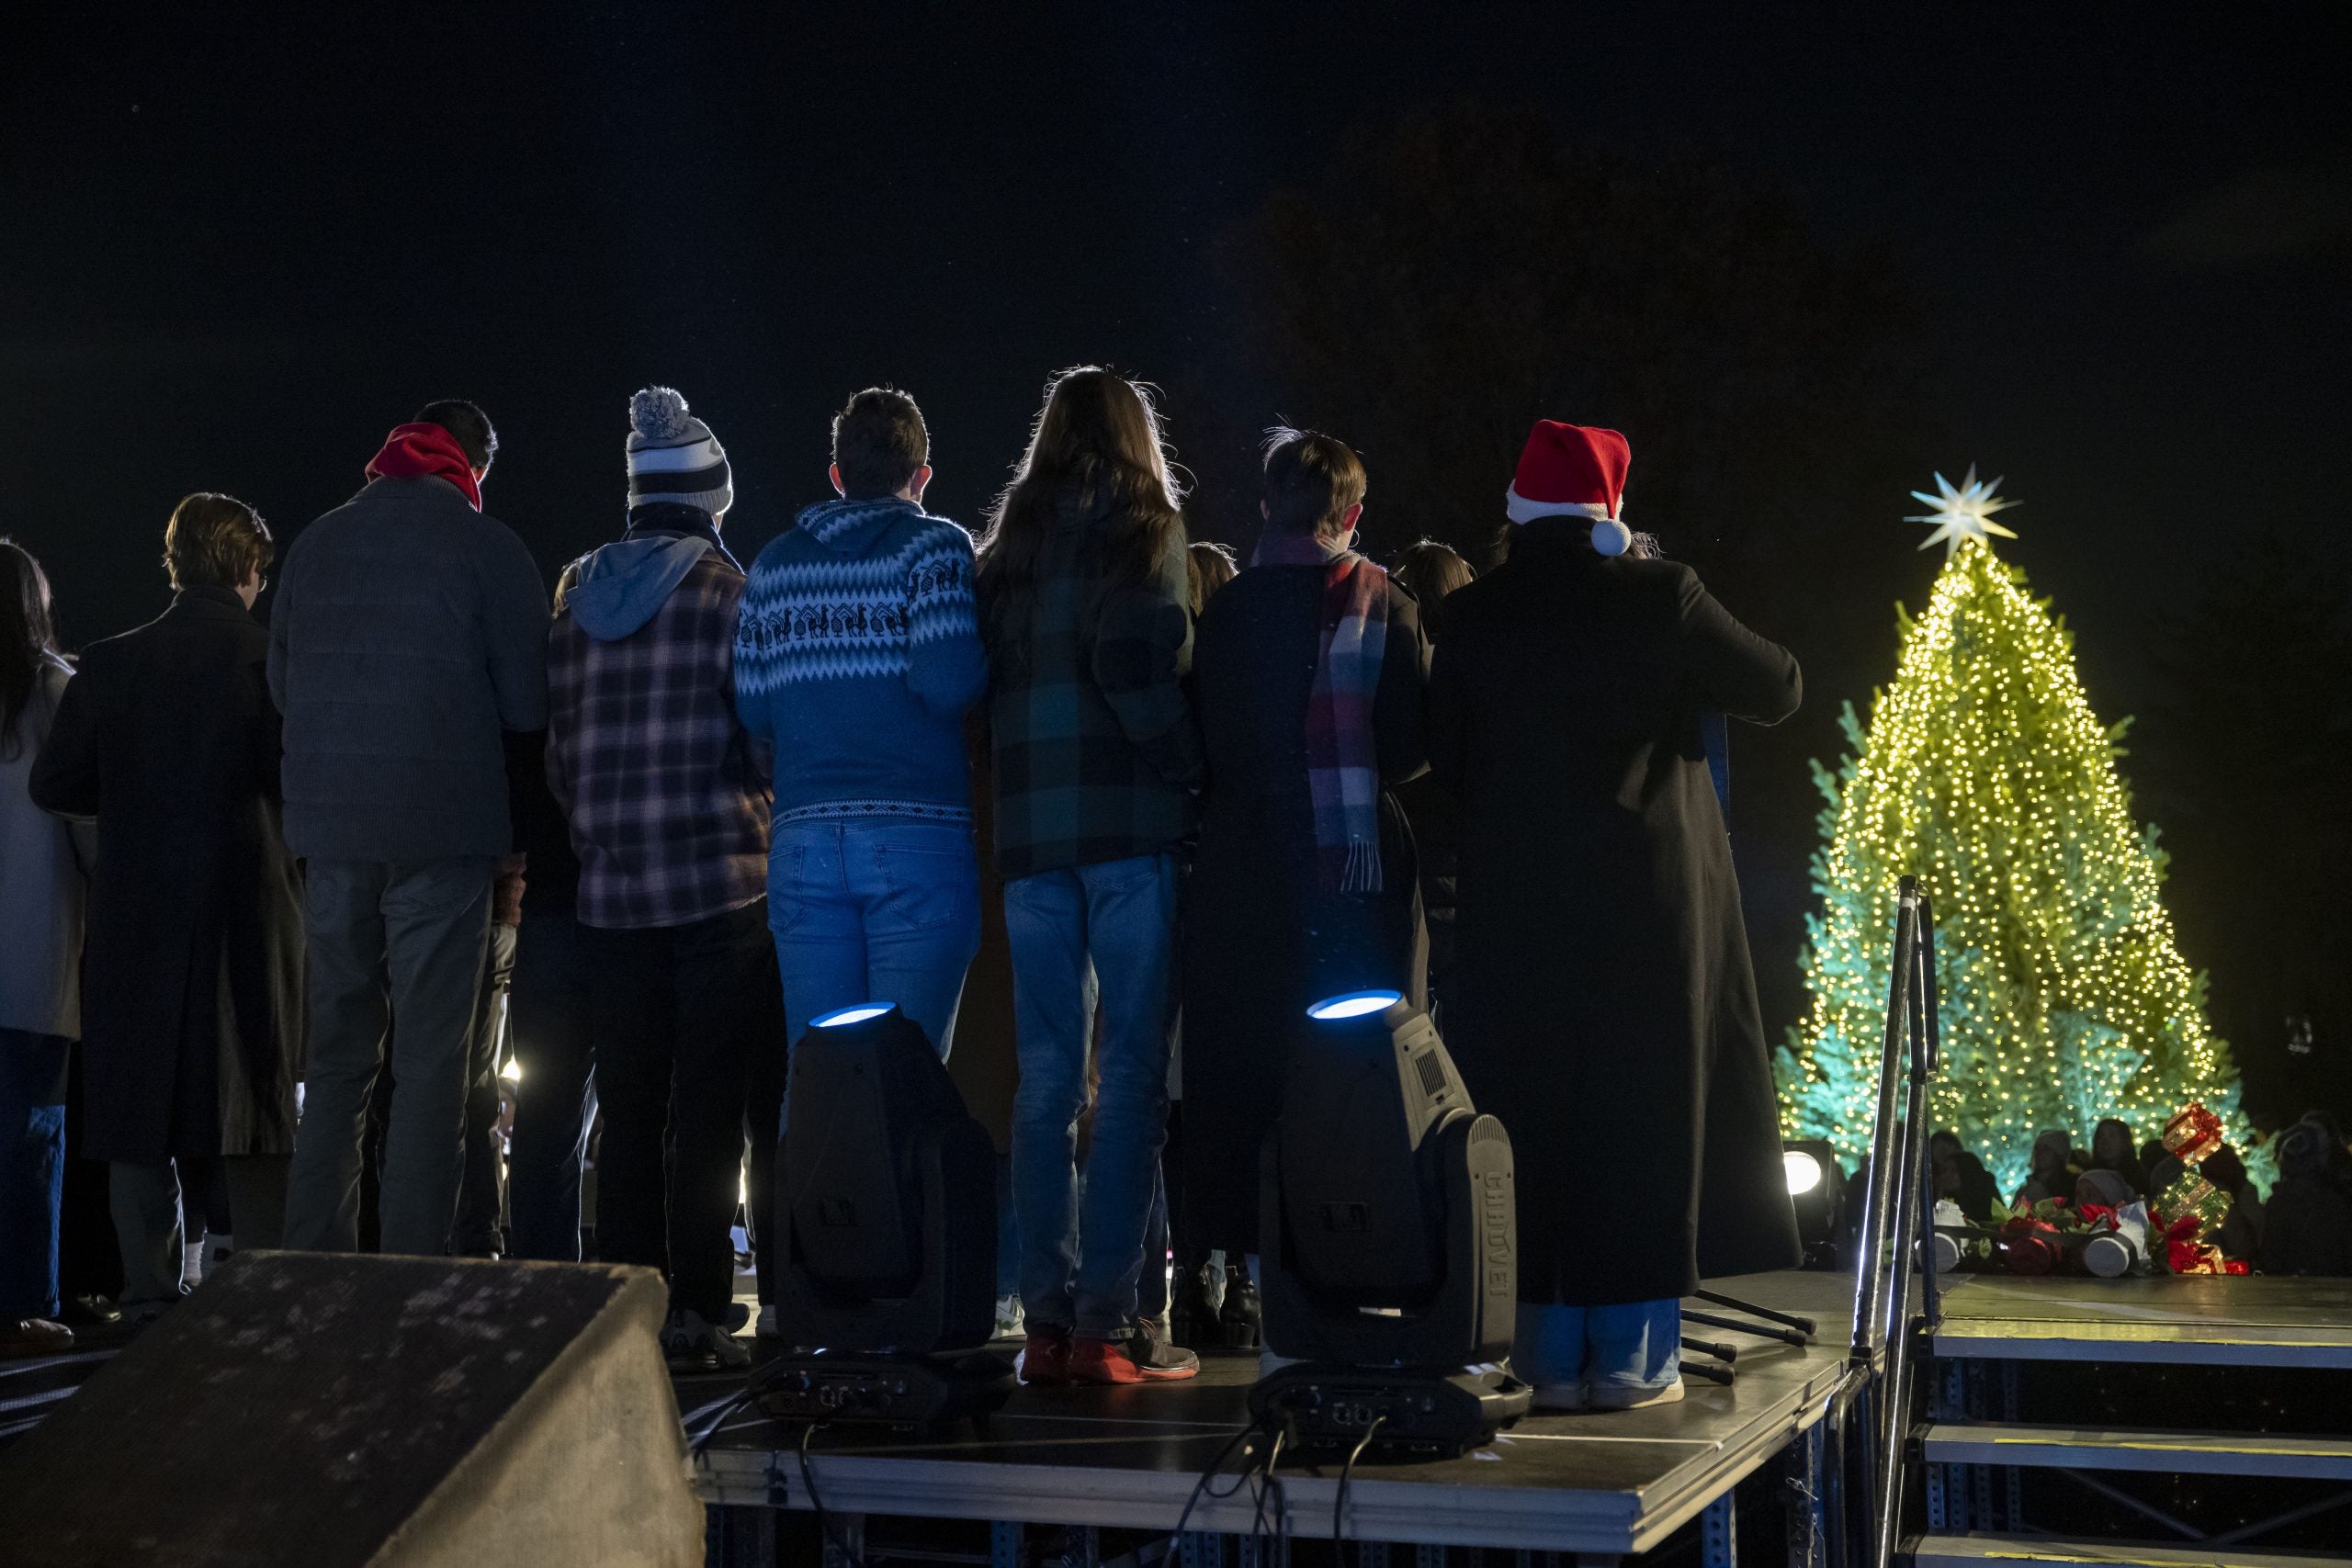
(1867, 1422)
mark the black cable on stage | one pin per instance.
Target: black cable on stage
(817, 1504)
(1202, 1488)
(719, 1420)
(1269, 1487)
(1340, 1502)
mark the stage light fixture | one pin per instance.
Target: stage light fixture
(857, 1012)
(1817, 1191)
(1389, 1234)
(1352, 1004)
(886, 1203)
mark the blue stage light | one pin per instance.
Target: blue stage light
(1352, 1004)
(857, 1012)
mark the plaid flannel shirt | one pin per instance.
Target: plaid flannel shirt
(668, 806)
(1097, 754)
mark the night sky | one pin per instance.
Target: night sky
(235, 252)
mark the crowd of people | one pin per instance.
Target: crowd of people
(268, 885)
(2304, 1227)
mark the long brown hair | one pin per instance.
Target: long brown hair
(1098, 437)
(1208, 565)
(28, 637)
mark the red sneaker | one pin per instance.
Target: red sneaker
(1143, 1353)
(1044, 1359)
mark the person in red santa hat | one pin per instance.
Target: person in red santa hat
(1604, 1006)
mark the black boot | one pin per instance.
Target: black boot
(1190, 1319)
(1241, 1319)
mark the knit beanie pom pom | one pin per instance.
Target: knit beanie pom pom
(659, 414)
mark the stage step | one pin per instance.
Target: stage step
(1977, 1551)
(2170, 1453)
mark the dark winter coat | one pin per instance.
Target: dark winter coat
(192, 1000)
(408, 631)
(1604, 1007)
(1262, 939)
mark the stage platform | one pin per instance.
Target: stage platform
(1599, 1485)
(2196, 1319)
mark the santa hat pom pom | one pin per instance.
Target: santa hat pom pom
(1611, 538)
(658, 414)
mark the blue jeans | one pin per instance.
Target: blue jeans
(878, 911)
(1112, 923)
(1636, 1345)
(32, 1169)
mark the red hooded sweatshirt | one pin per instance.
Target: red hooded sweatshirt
(425, 451)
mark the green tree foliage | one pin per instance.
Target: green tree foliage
(1984, 773)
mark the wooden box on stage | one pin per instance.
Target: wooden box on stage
(332, 1410)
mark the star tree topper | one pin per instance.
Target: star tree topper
(1962, 514)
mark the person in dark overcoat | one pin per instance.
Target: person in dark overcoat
(1431, 571)
(1311, 657)
(1605, 1007)
(192, 1010)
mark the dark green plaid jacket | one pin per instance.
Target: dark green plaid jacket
(1097, 754)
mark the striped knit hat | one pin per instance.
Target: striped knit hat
(672, 456)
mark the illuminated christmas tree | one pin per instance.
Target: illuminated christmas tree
(1984, 773)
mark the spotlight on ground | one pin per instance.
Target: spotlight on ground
(1389, 1239)
(887, 1206)
(1817, 1189)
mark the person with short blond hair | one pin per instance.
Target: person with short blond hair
(192, 999)
(216, 540)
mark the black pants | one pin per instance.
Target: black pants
(679, 1012)
(763, 1118)
(147, 1199)
(89, 1263)
(478, 1229)
(556, 1099)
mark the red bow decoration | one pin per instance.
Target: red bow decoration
(2193, 1134)
(2184, 1254)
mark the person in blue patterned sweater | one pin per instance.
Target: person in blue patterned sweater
(857, 653)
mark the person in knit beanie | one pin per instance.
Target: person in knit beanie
(668, 806)
(673, 460)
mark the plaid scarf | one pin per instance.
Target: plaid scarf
(1342, 765)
